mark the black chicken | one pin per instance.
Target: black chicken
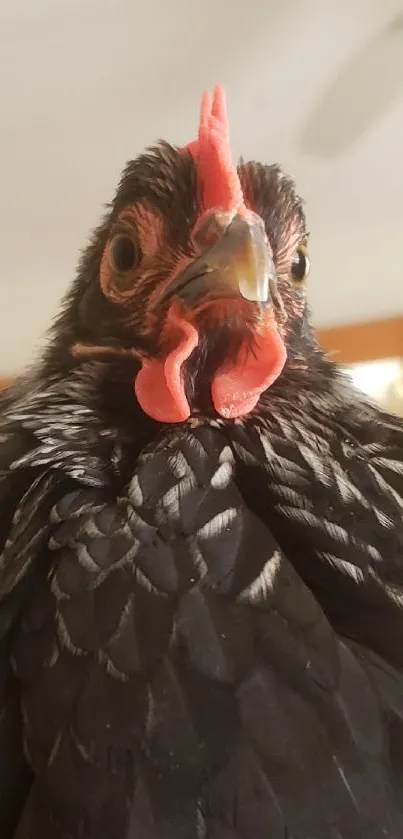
(201, 572)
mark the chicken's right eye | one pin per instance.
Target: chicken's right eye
(124, 253)
(300, 265)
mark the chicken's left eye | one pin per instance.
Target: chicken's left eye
(123, 253)
(300, 265)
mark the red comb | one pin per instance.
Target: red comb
(218, 177)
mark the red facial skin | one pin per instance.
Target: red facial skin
(238, 383)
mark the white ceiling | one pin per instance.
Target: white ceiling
(86, 84)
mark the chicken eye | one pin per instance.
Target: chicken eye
(300, 265)
(123, 253)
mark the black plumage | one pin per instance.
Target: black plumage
(199, 624)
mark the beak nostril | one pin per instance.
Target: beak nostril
(236, 260)
(210, 228)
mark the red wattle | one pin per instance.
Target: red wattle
(159, 384)
(236, 389)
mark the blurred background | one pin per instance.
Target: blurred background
(314, 85)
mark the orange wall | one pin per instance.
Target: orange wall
(4, 383)
(364, 341)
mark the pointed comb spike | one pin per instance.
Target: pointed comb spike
(219, 109)
(205, 112)
(219, 183)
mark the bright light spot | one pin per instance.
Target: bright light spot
(375, 377)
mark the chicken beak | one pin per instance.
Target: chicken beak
(239, 260)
